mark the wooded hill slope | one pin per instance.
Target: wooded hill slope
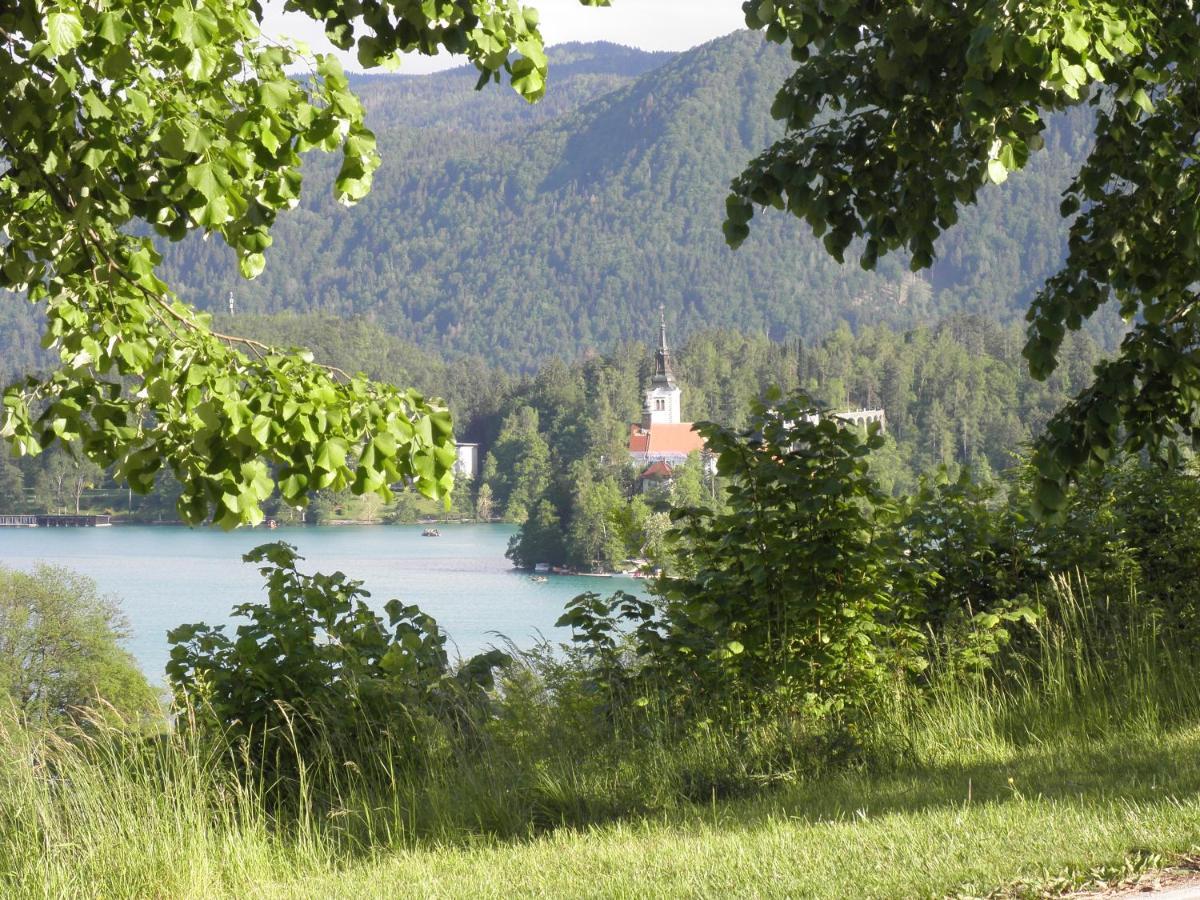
(519, 233)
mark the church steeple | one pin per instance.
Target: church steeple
(662, 400)
(662, 356)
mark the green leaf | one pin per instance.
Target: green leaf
(203, 177)
(197, 67)
(64, 31)
(260, 430)
(1050, 494)
(186, 26)
(276, 94)
(252, 265)
(331, 456)
(1074, 35)
(385, 445)
(113, 28)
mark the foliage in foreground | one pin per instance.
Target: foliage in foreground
(971, 87)
(1088, 732)
(179, 116)
(808, 596)
(800, 579)
(811, 592)
(315, 659)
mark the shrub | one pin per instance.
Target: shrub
(979, 550)
(795, 595)
(799, 589)
(315, 657)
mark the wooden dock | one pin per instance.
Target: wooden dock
(48, 521)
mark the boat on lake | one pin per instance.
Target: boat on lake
(431, 532)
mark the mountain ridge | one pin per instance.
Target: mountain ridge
(520, 233)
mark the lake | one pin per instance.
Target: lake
(165, 576)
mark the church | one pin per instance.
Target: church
(661, 441)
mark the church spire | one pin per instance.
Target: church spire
(662, 356)
(662, 400)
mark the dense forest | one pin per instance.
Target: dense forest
(956, 397)
(955, 394)
(519, 233)
(524, 234)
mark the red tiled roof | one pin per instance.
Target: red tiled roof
(658, 469)
(639, 439)
(664, 438)
(674, 438)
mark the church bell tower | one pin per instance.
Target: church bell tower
(662, 400)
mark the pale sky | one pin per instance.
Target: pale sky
(648, 24)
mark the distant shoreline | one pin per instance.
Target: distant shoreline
(117, 521)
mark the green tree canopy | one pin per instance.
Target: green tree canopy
(518, 468)
(60, 648)
(899, 113)
(540, 538)
(120, 116)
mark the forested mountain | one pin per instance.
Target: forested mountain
(519, 233)
(20, 339)
(448, 106)
(515, 233)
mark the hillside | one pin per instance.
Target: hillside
(521, 232)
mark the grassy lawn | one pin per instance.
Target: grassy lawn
(1070, 815)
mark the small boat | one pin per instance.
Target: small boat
(431, 532)
(539, 579)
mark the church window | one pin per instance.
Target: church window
(660, 404)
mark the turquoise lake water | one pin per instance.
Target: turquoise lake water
(165, 576)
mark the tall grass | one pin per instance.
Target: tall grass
(106, 811)
(102, 809)
(1088, 669)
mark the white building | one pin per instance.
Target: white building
(863, 417)
(466, 463)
